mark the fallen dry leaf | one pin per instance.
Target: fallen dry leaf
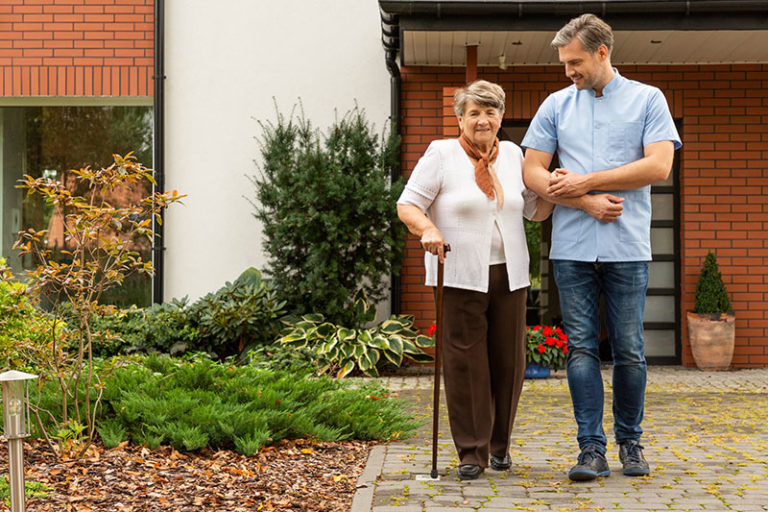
(291, 476)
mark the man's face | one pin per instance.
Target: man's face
(586, 70)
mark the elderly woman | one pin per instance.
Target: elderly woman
(469, 193)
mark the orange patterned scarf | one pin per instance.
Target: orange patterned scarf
(485, 176)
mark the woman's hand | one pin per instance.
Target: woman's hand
(564, 183)
(432, 241)
(430, 237)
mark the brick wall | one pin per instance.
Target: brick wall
(76, 47)
(724, 175)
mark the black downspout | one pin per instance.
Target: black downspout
(391, 41)
(158, 249)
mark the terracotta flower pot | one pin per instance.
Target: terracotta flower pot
(712, 336)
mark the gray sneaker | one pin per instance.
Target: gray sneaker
(591, 464)
(631, 456)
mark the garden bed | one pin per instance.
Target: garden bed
(289, 476)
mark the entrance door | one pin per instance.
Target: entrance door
(662, 306)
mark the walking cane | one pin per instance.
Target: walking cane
(438, 361)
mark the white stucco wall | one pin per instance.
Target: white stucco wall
(225, 61)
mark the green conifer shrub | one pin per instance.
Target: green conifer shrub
(328, 212)
(250, 444)
(193, 404)
(711, 295)
(112, 432)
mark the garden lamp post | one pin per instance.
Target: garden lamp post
(16, 422)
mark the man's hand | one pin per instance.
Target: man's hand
(564, 183)
(603, 207)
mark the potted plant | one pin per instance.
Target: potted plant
(711, 324)
(546, 349)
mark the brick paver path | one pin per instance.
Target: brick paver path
(706, 437)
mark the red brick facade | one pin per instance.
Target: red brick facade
(723, 110)
(76, 47)
(105, 48)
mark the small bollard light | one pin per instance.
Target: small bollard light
(16, 428)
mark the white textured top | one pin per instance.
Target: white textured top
(443, 186)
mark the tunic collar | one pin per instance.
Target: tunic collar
(612, 85)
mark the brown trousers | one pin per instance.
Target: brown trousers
(484, 365)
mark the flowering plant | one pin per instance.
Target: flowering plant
(546, 346)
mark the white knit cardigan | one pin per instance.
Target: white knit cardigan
(443, 186)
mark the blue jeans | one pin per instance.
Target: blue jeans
(623, 284)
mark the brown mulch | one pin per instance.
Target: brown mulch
(290, 476)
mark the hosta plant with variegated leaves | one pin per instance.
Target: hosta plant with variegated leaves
(341, 350)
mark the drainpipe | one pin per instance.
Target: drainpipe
(158, 254)
(390, 38)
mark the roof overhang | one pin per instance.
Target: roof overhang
(428, 32)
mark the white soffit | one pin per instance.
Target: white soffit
(528, 48)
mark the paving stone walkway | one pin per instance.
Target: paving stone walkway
(706, 438)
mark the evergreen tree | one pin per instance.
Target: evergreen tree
(711, 296)
(328, 212)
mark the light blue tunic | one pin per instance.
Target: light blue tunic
(594, 134)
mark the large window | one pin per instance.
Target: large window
(51, 140)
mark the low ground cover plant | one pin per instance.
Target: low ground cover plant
(197, 403)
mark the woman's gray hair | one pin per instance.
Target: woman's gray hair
(485, 94)
(587, 28)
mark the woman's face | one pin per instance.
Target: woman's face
(481, 124)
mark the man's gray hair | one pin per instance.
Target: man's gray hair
(485, 94)
(587, 28)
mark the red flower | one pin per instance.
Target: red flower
(539, 338)
(563, 336)
(431, 330)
